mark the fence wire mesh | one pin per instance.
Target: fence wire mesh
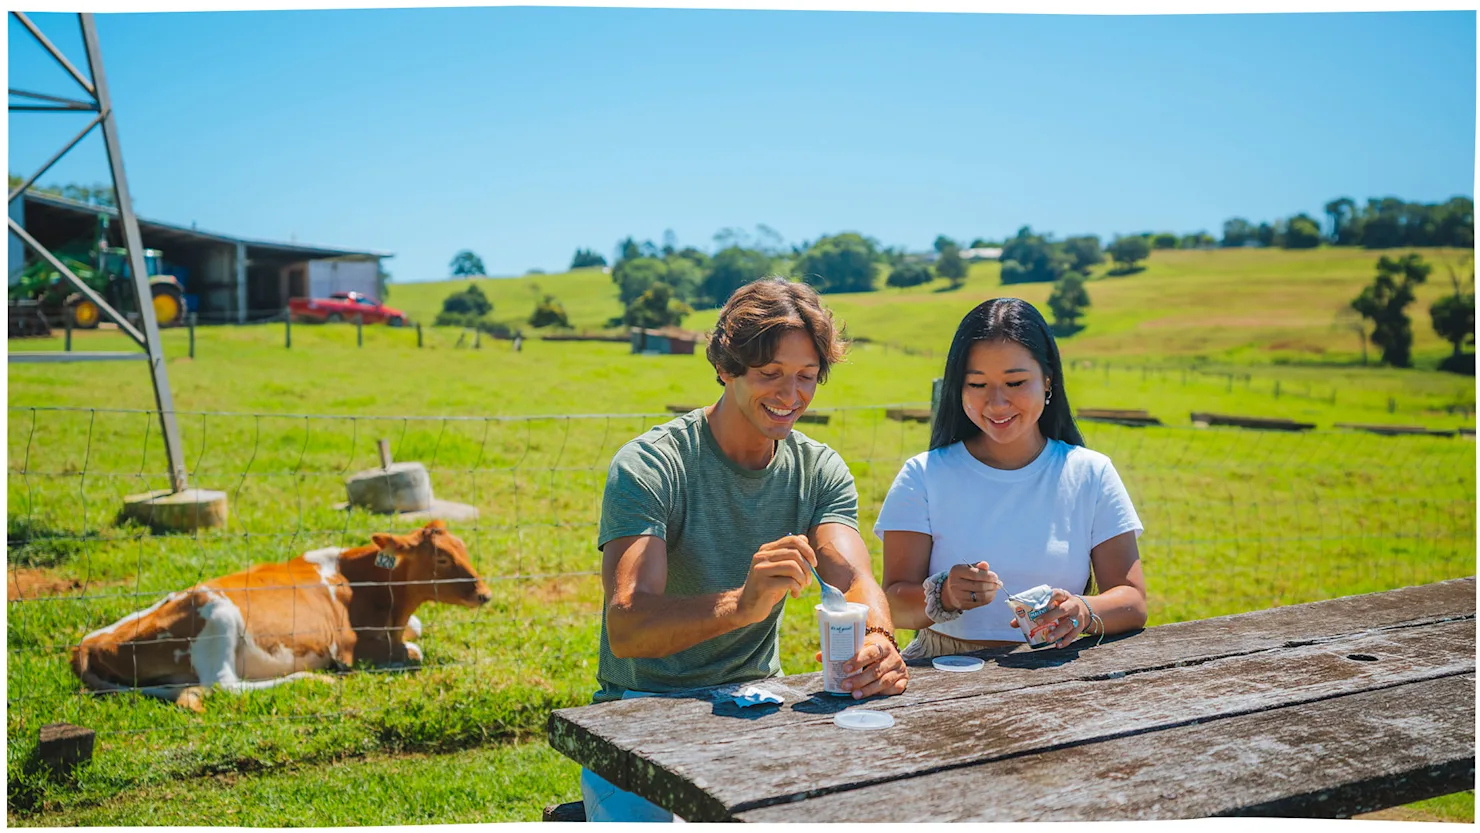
(1235, 520)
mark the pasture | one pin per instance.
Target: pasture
(1221, 306)
(1236, 520)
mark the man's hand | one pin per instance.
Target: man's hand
(876, 669)
(778, 568)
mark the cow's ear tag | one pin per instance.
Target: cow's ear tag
(385, 559)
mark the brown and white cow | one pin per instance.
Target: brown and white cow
(273, 623)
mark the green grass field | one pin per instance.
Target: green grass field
(1226, 306)
(1236, 520)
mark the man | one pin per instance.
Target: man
(710, 520)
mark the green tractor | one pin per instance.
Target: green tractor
(105, 270)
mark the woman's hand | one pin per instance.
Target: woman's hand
(969, 586)
(1063, 621)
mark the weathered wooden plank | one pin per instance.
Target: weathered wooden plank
(1118, 416)
(692, 771)
(908, 414)
(1396, 430)
(1113, 413)
(1313, 760)
(1266, 423)
(622, 724)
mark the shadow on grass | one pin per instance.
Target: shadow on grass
(36, 543)
(1463, 364)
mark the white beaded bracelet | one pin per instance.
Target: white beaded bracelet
(933, 607)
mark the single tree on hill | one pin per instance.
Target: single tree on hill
(656, 308)
(730, 269)
(1384, 303)
(465, 264)
(1128, 251)
(1068, 301)
(1302, 232)
(1084, 252)
(1342, 212)
(950, 266)
(1033, 258)
(840, 263)
(549, 313)
(1453, 317)
(909, 274)
(467, 308)
(633, 276)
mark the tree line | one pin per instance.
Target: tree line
(659, 284)
(1382, 223)
(96, 194)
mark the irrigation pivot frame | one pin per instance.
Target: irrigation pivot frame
(98, 101)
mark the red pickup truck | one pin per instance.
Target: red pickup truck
(344, 306)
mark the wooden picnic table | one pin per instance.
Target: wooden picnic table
(1327, 709)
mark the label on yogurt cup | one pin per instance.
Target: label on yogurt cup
(1027, 606)
(840, 641)
(841, 634)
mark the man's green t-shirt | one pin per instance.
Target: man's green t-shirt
(675, 482)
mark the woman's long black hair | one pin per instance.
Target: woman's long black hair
(1002, 319)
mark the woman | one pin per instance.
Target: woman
(1007, 497)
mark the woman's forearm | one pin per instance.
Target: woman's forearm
(1120, 609)
(907, 605)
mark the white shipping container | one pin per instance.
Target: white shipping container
(326, 277)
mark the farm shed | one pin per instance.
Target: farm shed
(667, 341)
(226, 278)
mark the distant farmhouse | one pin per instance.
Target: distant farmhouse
(982, 253)
(665, 341)
(226, 278)
(979, 253)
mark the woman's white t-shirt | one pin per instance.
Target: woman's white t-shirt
(1034, 525)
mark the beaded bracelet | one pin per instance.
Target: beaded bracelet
(933, 607)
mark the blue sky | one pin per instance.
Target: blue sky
(524, 133)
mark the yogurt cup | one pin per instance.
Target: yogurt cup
(1027, 606)
(841, 634)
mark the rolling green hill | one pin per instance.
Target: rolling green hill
(1228, 306)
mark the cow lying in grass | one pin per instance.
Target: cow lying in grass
(273, 623)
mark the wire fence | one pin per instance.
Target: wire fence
(1235, 520)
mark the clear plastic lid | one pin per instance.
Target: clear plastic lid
(958, 663)
(863, 719)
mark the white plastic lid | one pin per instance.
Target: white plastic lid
(863, 719)
(958, 663)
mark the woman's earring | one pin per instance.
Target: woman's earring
(1048, 397)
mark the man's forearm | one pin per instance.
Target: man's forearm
(865, 590)
(657, 625)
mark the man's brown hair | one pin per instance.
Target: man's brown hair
(756, 317)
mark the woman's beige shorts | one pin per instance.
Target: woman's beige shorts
(928, 644)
